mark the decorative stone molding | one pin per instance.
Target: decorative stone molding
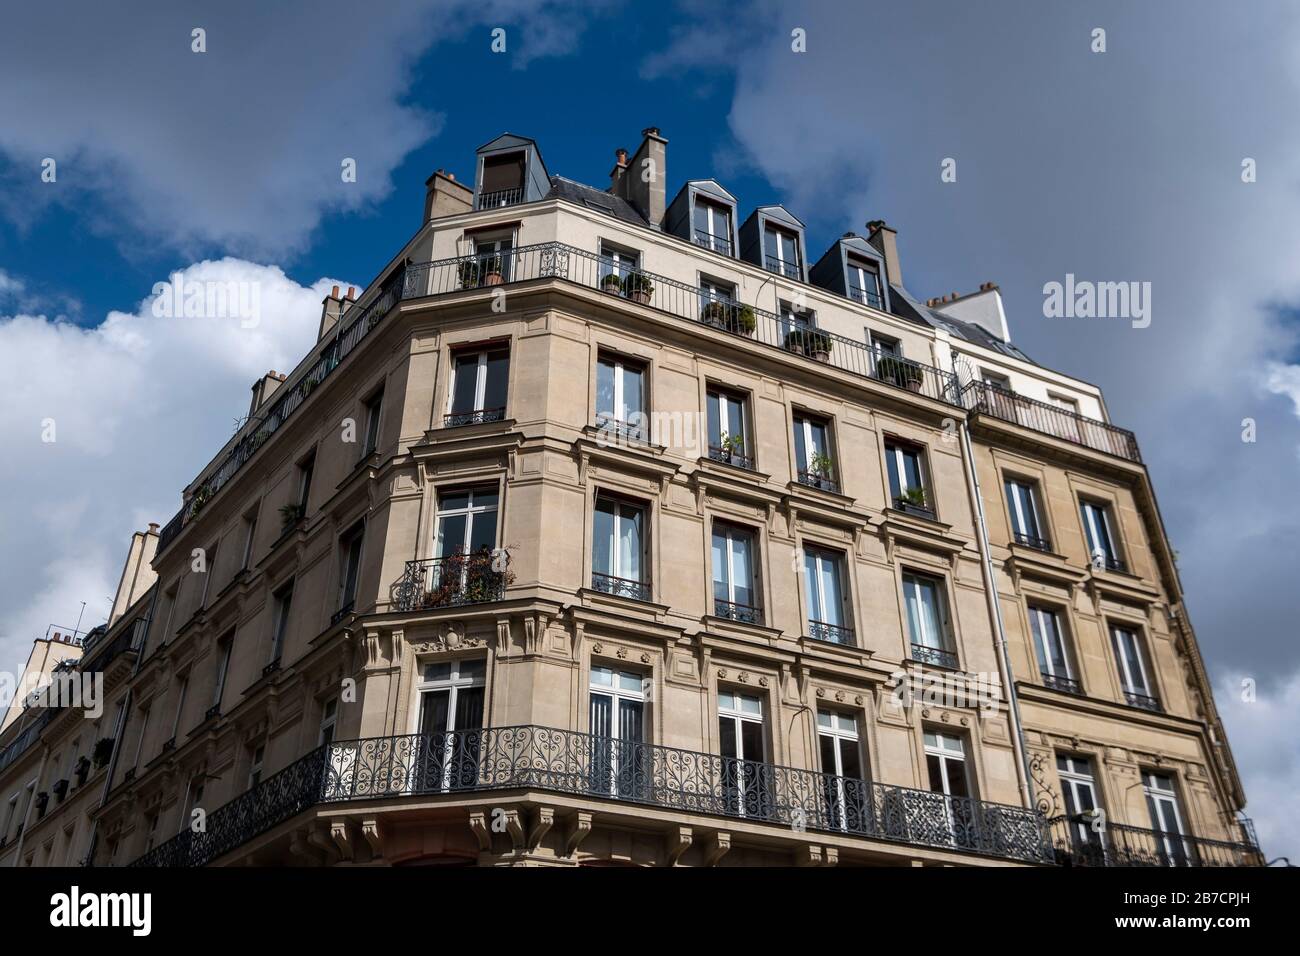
(578, 831)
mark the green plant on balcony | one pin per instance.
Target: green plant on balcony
(821, 465)
(732, 446)
(612, 284)
(716, 313)
(896, 371)
(638, 287)
(490, 269)
(200, 498)
(743, 320)
(290, 515)
(469, 273)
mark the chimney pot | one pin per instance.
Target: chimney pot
(153, 527)
(334, 292)
(650, 131)
(352, 292)
(621, 155)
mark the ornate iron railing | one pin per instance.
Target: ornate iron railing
(454, 580)
(564, 761)
(476, 417)
(934, 655)
(987, 399)
(1144, 701)
(1033, 541)
(1076, 843)
(1067, 685)
(499, 197)
(782, 267)
(734, 458)
(834, 633)
(553, 260)
(623, 587)
(815, 479)
(744, 613)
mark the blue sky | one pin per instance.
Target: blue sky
(1115, 166)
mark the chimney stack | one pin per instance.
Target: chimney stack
(263, 389)
(885, 241)
(618, 175)
(137, 574)
(443, 196)
(646, 177)
(331, 309)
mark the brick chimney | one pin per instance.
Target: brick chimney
(647, 176)
(885, 241)
(443, 196)
(264, 388)
(331, 309)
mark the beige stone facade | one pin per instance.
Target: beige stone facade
(664, 654)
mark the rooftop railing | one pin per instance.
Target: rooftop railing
(553, 260)
(987, 399)
(570, 762)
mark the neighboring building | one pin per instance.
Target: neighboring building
(604, 527)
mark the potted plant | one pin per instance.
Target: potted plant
(468, 272)
(290, 515)
(742, 320)
(715, 314)
(638, 287)
(491, 269)
(103, 751)
(817, 343)
(733, 446)
(796, 341)
(822, 467)
(896, 371)
(612, 284)
(914, 498)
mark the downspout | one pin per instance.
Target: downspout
(1023, 771)
(31, 806)
(118, 732)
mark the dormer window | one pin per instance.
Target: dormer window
(781, 253)
(713, 226)
(863, 282)
(503, 181)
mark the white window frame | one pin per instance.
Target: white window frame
(469, 511)
(1164, 801)
(621, 505)
(356, 533)
(856, 268)
(453, 684)
(835, 558)
(282, 606)
(250, 522)
(731, 533)
(807, 423)
(716, 211)
(144, 728)
(618, 694)
(183, 689)
(480, 378)
(328, 720)
(946, 640)
(899, 449)
(1090, 509)
(374, 406)
(722, 396)
(620, 368)
(739, 717)
(225, 647)
(1038, 617)
(255, 765)
(1126, 666)
(1073, 782)
(1030, 500)
(779, 234)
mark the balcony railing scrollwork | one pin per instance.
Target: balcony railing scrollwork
(1077, 842)
(937, 656)
(833, 633)
(454, 580)
(622, 587)
(571, 762)
(743, 613)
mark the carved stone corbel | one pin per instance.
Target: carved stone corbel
(479, 827)
(716, 848)
(370, 831)
(341, 834)
(515, 828)
(541, 826)
(677, 842)
(578, 831)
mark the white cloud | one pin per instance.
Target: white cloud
(1268, 755)
(238, 148)
(1284, 380)
(139, 404)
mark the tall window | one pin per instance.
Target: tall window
(1053, 655)
(225, 645)
(845, 787)
(250, 538)
(1166, 818)
(139, 741)
(451, 713)
(812, 452)
(478, 386)
(467, 521)
(908, 488)
(795, 318)
(280, 607)
(742, 738)
(1131, 660)
(617, 711)
(210, 571)
(495, 259)
(781, 252)
(1097, 531)
(618, 548)
(1022, 504)
(927, 620)
(371, 409)
(945, 761)
(1080, 792)
(256, 759)
(884, 345)
(828, 607)
(713, 226)
(182, 691)
(864, 282)
(735, 594)
(350, 564)
(620, 396)
(329, 718)
(306, 471)
(728, 435)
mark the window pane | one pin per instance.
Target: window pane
(810, 586)
(751, 738)
(727, 736)
(451, 534)
(629, 543)
(801, 456)
(466, 381)
(850, 759)
(633, 400)
(834, 601)
(602, 557)
(433, 711)
(715, 421)
(721, 569)
(498, 367)
(741, 570)
(483, 530)
(605, 388)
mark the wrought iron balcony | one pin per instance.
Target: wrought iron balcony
(711, 241)
(833, 633)
(1033, 541)
(984, 398)
(1067, 685)
(623, 587)
(1134, 699)
(564, 761)
(476, 417)
(936, 656)
(499, 197)
(736, 459)
(911, 506)
(454, 580)
(814, 479)
(1108, 562)
(1077, 844)
(869, 297)
(744, 613)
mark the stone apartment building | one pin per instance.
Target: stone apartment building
(609, 528)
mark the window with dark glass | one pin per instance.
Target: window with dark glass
(812, 452)
(372, 407)
(735, 593)
(713, 226)
(1100, 537)
(728, 438)
(781, 252)
(742, 737)
(844, 784)
(478, 387)
(451, 716)
(1022, 505)
(618, 548)
(282, 602)
(908, 489)
(828, 605)
(1079, 789)
(620, 396)
(350, 563)
(927, 620)
(1050, 646)
(1130, 657)
(617, 702)
(864, 282)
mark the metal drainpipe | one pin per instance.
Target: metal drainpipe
(1023, 770)
(118, 732)
(31, 807)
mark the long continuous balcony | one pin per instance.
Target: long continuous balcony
(985, 399)
(554, 260)
(1076, 844)
(563, 761)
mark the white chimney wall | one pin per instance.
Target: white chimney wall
(983, 308)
